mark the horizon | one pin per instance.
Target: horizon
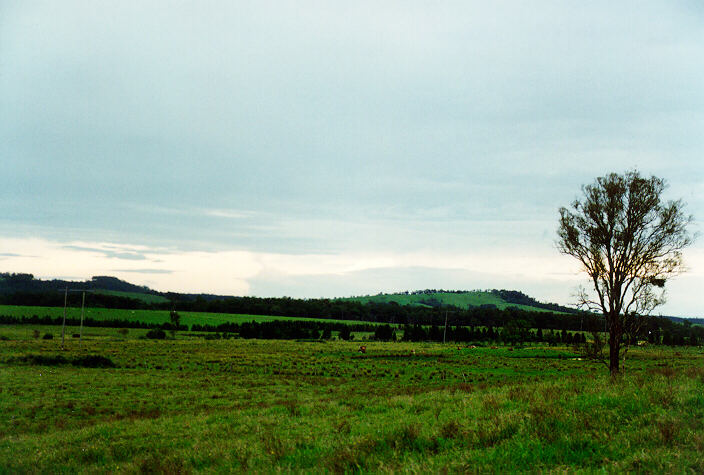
(344, 297)
(314, 150)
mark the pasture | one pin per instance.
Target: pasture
(119, 403)
(464, 300)
(153, 316)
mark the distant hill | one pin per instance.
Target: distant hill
(22, 283)
(693, 321)
(28, 283)
(105, 285)
(466, 299)
(113, 292)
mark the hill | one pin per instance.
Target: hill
(465, 299)
(12, 283)
(111, 292)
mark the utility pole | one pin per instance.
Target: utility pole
(444, 333)
(63, 325)
(83, 306)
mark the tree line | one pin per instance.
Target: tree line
(373, 312)
(514, 332)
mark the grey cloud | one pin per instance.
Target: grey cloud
(121, 254)
(144, 271)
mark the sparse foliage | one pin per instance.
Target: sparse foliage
(175, 321)
(629, 241)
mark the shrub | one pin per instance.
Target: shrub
(48, 336)
(156, 334)
(93, 361)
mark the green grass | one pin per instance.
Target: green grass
(151, 316)
(463, 300)
(266, 406)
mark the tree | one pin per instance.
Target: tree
(629, 241)
(175, 321)
(384, 333)
(345, 333)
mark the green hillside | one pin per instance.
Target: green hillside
(465, 300)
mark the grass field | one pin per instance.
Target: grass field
(255, 405)
(151, 316)
(462, 300)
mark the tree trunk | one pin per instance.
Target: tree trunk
(614, 350)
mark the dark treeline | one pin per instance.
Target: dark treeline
(510, 335)
(388, 312)
(56, 299)
(384, 312)
(288, 329)
(516, 297)
(88, 322)
(653, 328)
(515, 332)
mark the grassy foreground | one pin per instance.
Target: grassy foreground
(251, 405)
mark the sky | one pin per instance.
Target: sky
(325, 148)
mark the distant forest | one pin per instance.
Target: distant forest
(24, 289)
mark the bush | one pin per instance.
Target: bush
(93, 361)
(156, 334)
(48, 336)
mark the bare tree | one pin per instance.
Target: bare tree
(629, 242)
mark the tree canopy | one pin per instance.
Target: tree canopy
(629, 241)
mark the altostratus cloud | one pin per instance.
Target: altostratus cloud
(230, 271)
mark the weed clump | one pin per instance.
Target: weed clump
(88, 361)
(451, 430)
(544, 420)
(292, 407)
(343, 427)
(668, 430)
(158, 463)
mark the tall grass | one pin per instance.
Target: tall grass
(242, 405)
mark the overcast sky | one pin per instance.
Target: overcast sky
(336, 148)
